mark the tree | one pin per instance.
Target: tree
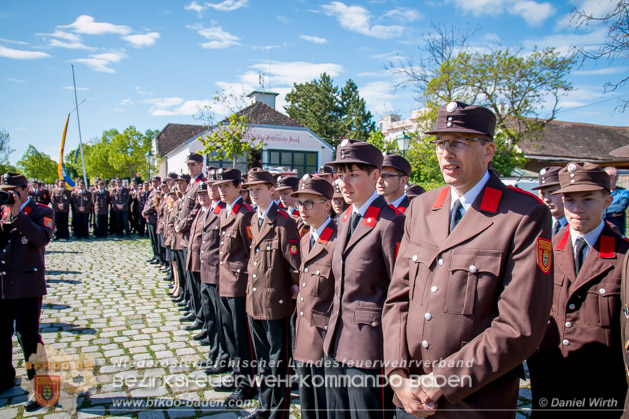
(5, 151)
(329, 112)
(229, 139)
(38, 165)
(377, 138)
(615, 47)
(515, 86)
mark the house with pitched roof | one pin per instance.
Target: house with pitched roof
(285, 142)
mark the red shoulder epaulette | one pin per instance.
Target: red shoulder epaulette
(397, 212)
(282, 212)
(235, 208)
(527, 193)
(401, 209)
(564, 240)
(607, 247)
(491, 199)
(371, 216)
(441, 198)
(325, 235)
(217, 209)
(347, 212)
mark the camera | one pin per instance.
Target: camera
(6, 198)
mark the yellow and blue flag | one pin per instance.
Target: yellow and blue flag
(61, 168)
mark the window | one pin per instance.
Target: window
(303, 161)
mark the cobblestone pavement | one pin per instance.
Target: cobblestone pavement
(107, 306)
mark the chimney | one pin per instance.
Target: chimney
(264, 96)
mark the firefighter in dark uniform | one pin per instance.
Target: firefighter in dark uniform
(61, 201)
(25, 230)
(273, 269)
(82, 205)
(101, 200)
(121, 199)
(40, 194)
(393, 180)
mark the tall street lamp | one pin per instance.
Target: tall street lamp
(403, 143)
(150, 159)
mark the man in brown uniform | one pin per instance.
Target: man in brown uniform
(25, 230)
(61, 200)
(368, 237)
(101, 200)
(472, 287)
(82, 205)
(121, 200)
(548, 179)
(234, 249)
(273, 269)
(393, 180)
(584, 325)
(316, 291)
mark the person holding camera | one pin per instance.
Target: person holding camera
(25, 229)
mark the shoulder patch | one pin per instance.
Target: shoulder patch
(294, 249)
(47, 222)
(526, 193)
(544, 255)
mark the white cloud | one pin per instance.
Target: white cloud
(565, 42)
(176, 106)
(142, 40)
(218, 38)
(63, 39)
(102, 62)
(86, 25)
(195, 7)
(67, 36)
(378, 95)
(534, 13)
(9, 41)
(12, 80)
(402, 14)
(126, 102)
(81, 89)
(141, 92)
(600, 71)
(358, 19)
(68, 45)
(228, 5)
(287, 73)
(313, 39)
(18, 54)
(283, 19)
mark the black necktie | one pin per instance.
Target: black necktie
(456, 214)
(260, 219)
(311, 240)
(354, 222)
(556, 227)
(579, 248)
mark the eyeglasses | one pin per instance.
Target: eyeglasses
(309, 204)
(387, 176)
(457, 144)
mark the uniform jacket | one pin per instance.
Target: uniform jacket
(193, 259)
(584, 324)
(143, 196)
(316, 292)
(273, 265)
(61, 200)
(235, 246)
(101, 202)
(120, 196)
(403, 205)
(161, 216)
(189, 208)
(210, 243)
(149, 211)
(23, 243)
(176, 238)
(169, 227)
(41, 196)
(82, 199)
(478, 298)
(362, 268)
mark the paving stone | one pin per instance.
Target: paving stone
(151, 414)
(8, 413)
(91, 412)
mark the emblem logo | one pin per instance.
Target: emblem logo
(572, 167)
(48, 222)
(47, 389)
(293, 249)
(544, 255)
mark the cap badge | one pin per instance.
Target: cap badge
(542, 172)
(451, 107)
(345, 143)
(572, 167)
(305, 177)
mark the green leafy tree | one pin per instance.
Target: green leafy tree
(330, 112)
(35, 164)
(377, 138)
(5, 151)
(229, 139)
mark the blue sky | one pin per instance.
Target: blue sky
(148, 63)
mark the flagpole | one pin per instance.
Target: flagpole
(76, 102)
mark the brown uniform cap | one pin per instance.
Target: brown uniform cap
(223, 176)
(257, 176)
(397, 162)
(12, 180)
(337, 190)
(184, 177)
(314, 185)
(194, 158)
(548, 176)
(325, 170)
(583, 177)
(157, 178)
(173, 175)
(463, 118)
(357, 152)
(413, 191)
(287, 182)
(204, 187)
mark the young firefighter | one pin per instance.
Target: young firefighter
(316, 292)
(273, 269)
(234, 248)
(368, 237)
(548, 179)
(579, 357)
(393, 180)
